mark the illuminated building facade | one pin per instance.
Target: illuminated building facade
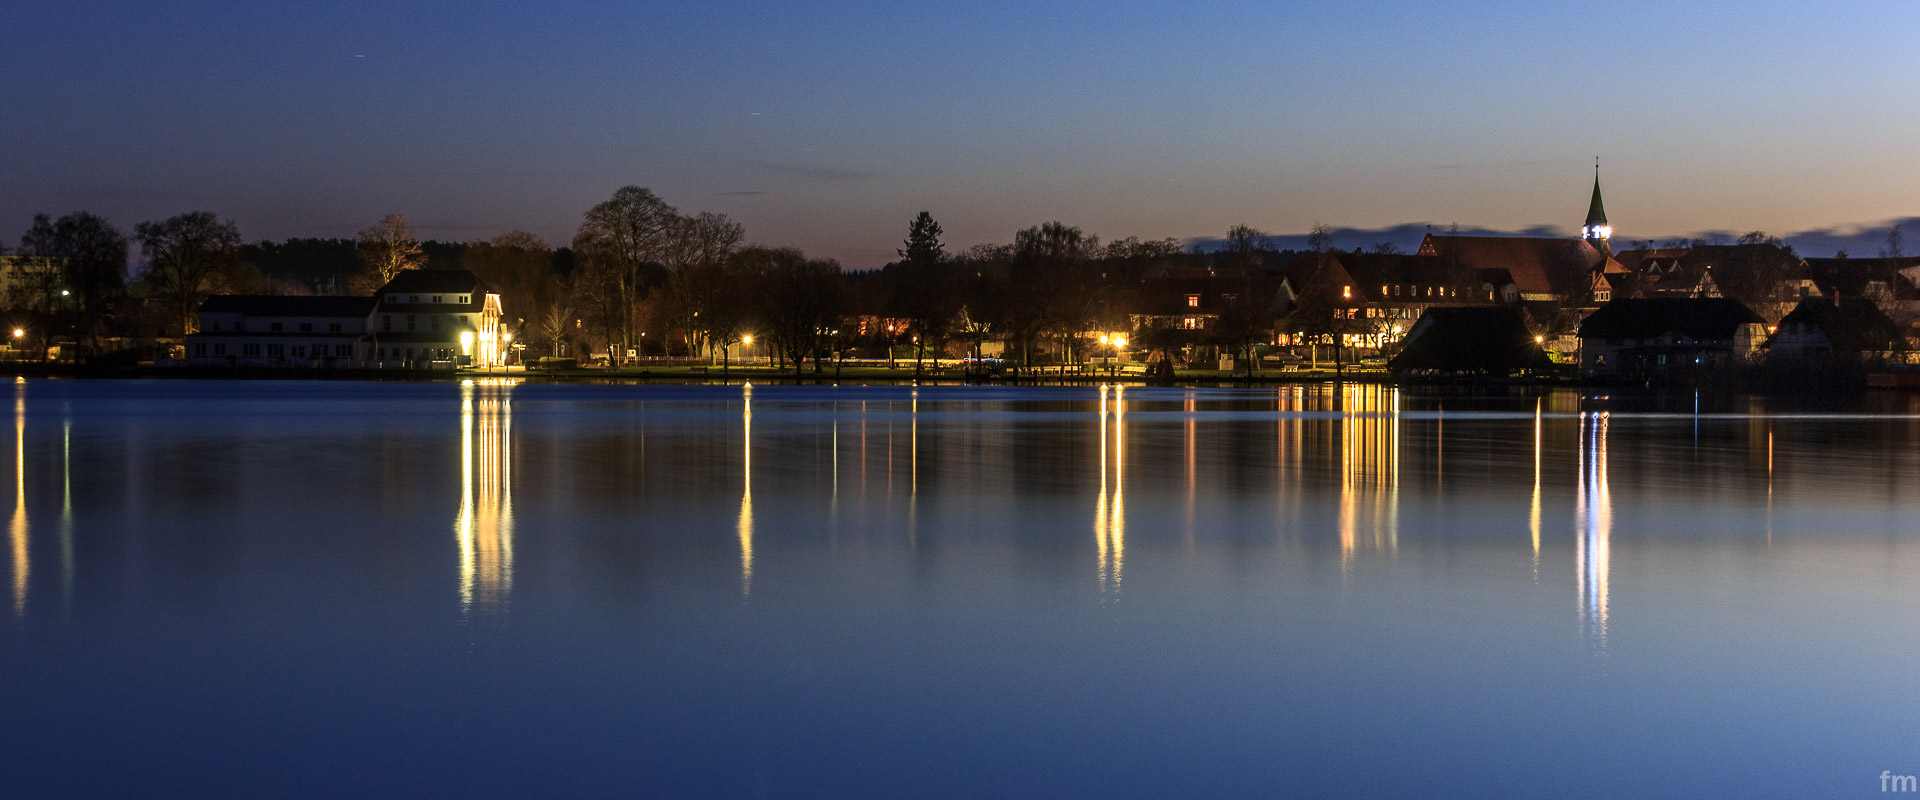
(422, 319)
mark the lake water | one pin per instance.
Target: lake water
(357, 589)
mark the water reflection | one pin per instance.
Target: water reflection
(745, 522)
(1533, 513)
(1595, 514)
(1110, 510)
(1369, 468)
(484, 526)
(17, 527)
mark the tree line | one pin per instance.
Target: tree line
(641, 277)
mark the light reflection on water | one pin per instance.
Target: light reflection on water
(912, 588)
(484, 524)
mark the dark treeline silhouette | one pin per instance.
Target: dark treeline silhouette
(641, 279)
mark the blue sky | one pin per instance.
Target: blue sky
(827, 125)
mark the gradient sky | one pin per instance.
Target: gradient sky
(827, 125)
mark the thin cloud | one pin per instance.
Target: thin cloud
(809, 173)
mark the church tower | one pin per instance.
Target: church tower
(1596, 230)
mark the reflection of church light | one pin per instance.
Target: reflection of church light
(17, 530)
(1110, 511)
(1596, 525)
(746, 491)
(485, 524)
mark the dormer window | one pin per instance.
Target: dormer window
(1346, 292)
(1603, 295)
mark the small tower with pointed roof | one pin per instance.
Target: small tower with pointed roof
(1595, 229)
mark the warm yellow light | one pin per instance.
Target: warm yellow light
(1396, 330)
(466, 343)
(1103, 338)
(509, 336)
(1120, 341)
(17, 333)
(1539, 340)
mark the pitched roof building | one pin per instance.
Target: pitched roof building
(420, 319)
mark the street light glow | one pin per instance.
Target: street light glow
(17, 333)
(747, 339)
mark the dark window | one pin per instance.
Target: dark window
(343, 350)
(276, 351)
(219, 349)
(436, 299)
(463, 319)
(216, 326)
(434, 320)
(414, 298)
(409, 323)
(250, 350)
(200, 349)
(306, 327)
(273, 326)
(386, 322)
(333, 327)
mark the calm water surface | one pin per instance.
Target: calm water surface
(346, 589)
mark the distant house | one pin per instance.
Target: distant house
(437, 315)
(280, 331)
(1484, 340)
(420, 319)
(1520, 269)
(30, 282)
(1652, 338)
(1819, 329)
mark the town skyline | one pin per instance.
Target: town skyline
(823, 129)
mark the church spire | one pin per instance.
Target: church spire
(1596, 229)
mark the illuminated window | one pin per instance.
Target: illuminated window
(1193, 301)
(1346, 292)
(1603, 295)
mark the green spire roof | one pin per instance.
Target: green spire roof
(1596, 214)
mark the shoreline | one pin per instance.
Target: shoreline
(680, 375)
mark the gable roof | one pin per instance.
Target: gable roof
(1531, 260)
(1853, 326)
(1492, 340)
(1653, 317)
(288, 306)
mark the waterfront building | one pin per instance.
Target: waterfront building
(1662, 337)
(422, 319)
